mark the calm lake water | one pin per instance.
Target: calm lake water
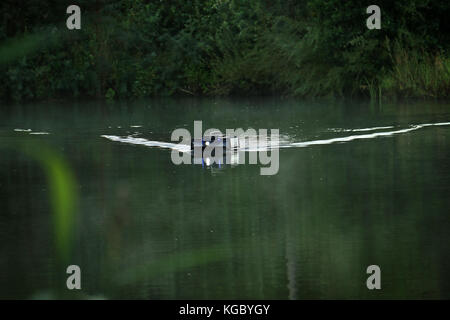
(141, 227)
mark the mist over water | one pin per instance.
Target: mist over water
(357, 185)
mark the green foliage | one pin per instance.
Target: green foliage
(142, 48)
(417, 74)
(63, 191)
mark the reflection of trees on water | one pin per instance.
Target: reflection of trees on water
(149, 229)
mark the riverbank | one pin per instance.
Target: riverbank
(131, 49)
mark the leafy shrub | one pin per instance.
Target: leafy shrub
(141, 48)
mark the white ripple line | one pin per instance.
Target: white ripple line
(148, 143)
(362, 136)
(271, 145)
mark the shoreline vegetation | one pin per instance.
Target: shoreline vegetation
(130, 49)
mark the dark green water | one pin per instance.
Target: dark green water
(141, 227)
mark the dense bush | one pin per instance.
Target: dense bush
(138, 48)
